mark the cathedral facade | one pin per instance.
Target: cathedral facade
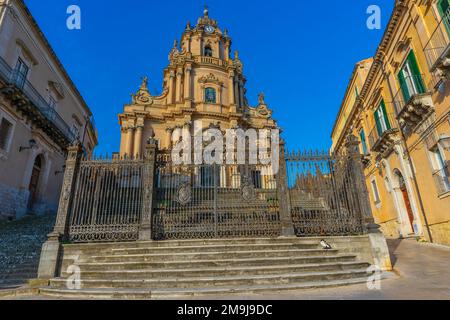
(202, 82)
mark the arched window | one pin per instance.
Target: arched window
(210, 95)
(208, 51)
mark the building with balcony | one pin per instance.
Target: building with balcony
(402, 119)
(41, 114)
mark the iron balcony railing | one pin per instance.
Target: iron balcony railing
(439, 43)
(13, 78)
(412, 86)
(442, 180)
(385, 128)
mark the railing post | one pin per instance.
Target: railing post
(50, 254)
(287, 226)
(380, 250)
(357, 171)
(145, 229)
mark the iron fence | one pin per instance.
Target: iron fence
(324, 200)
(214, 201)
(107, 200)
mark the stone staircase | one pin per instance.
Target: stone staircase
(177, 269)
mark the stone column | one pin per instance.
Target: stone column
(178, 87)
(380, 250)
(171, 88)
(145, 229)
(130, 138)
(138, 141)
(232, 101)
(241, 93)
(358, 176)
(236, 93)
(287, 226)
(187, 82)
(169, 132)
(50, 253)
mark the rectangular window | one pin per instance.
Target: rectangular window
(381, 119)
(362, 136)
(207, 176)
(410, 79)
(52, 104)
(21, 73)
(376, 195)
(441, 170)
(256, 179)
(5, 133)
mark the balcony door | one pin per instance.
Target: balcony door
(381, 119)
(411, 82)
(443, 7)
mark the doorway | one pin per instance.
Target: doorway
(406, 200)
(34, 182)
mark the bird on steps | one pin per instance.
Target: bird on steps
(325, 244)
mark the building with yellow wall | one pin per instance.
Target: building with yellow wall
(202, 82)
(398, 105)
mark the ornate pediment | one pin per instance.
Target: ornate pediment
(143, 96)
(210, 78)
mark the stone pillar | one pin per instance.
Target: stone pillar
(50, 253)
(287, 226)
(145, 229)
(241, 93)
(380, 250)
(169, 132)
(130, 138)
(354, 158)
(171, 88)
(187, 82)
(236, 93)
(231, 89)
(178, 87)
(138, 141)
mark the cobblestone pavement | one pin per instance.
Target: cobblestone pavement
(20, 247)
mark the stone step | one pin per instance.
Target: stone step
(180, 264)
(213, 255)
(126, 294)
(203, 282)
(191, 242)
(216, 248)
(219, 271)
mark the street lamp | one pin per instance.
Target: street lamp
(31, 145)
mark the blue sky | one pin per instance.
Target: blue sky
(299, 53)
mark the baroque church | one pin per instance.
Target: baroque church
(201, 82)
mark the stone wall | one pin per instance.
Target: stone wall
(441, 233)
(390, 229)
(13, 202)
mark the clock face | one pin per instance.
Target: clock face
(209, 29)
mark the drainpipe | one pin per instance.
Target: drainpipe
(408, 155)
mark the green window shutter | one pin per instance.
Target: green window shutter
(403, 86)
(386, 119)
(362, 136)
(378, 123)
(443, 8)
(415, 69)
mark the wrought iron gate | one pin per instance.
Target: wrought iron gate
(107, 200)
(323, 196)
(214, 201)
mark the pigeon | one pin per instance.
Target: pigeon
(325, 245)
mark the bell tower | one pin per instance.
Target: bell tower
(201, 82)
